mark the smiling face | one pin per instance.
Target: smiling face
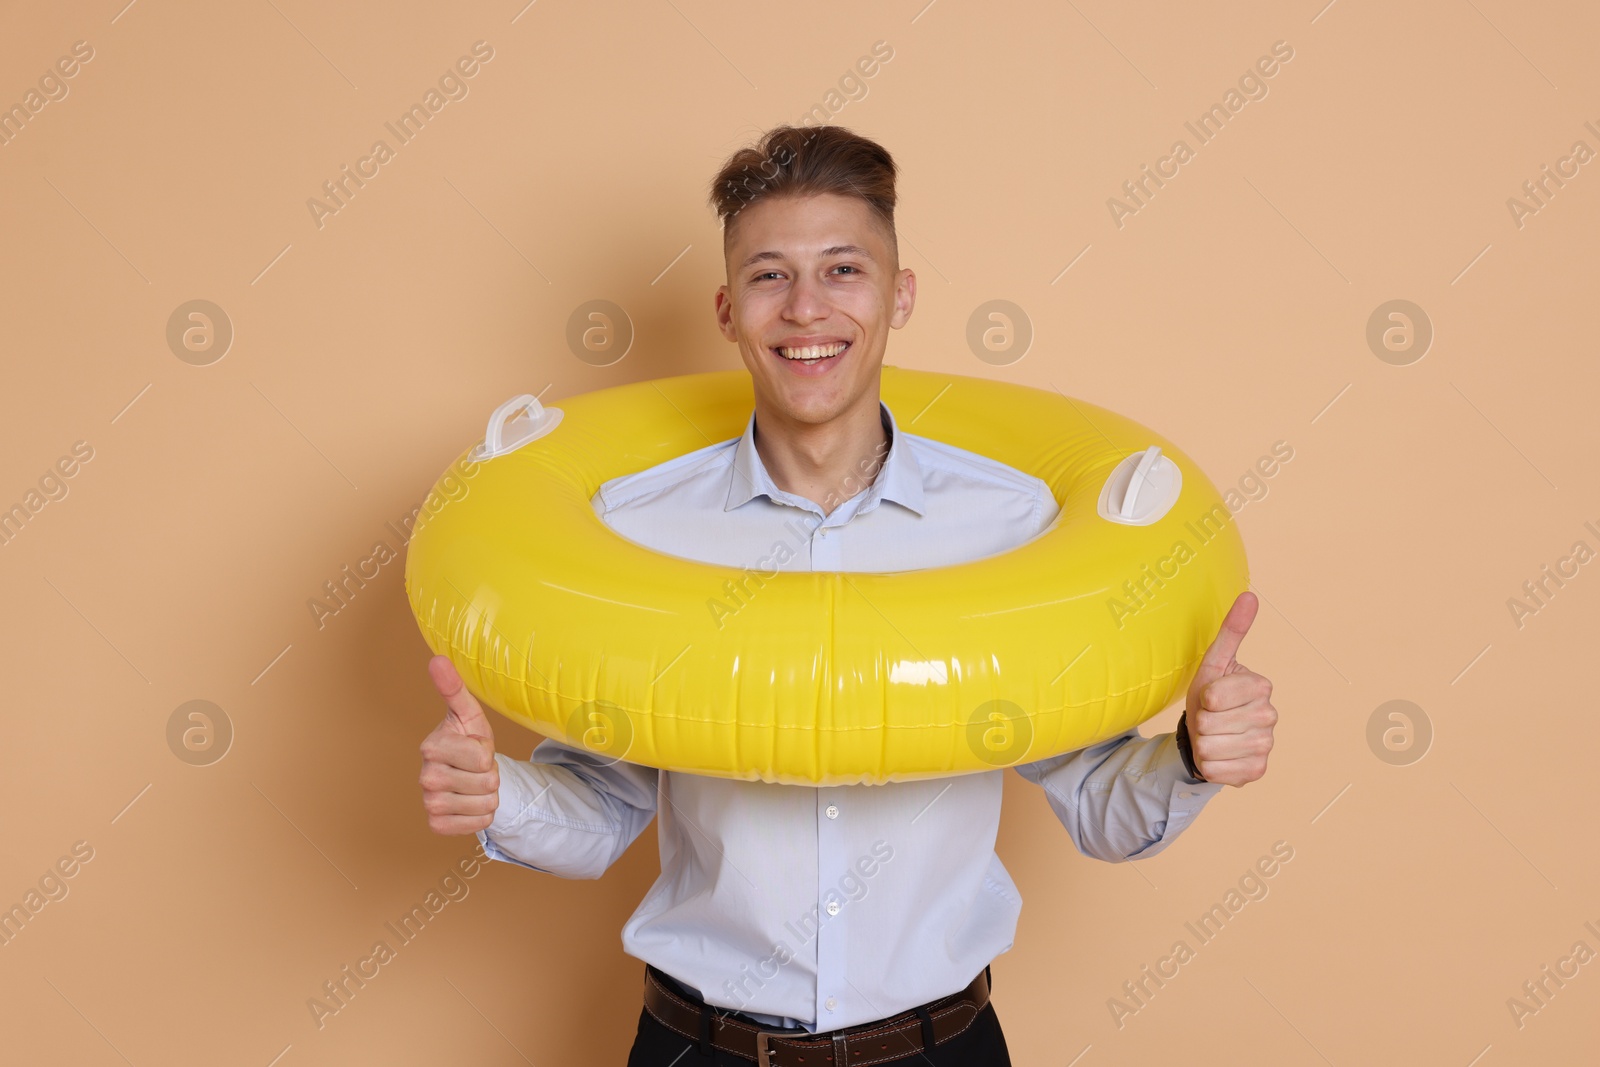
(812, 293)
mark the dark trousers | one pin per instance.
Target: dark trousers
(980, 1045)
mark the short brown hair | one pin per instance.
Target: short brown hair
(804, 161)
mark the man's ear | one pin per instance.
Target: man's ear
(905, 298)
(722, 308)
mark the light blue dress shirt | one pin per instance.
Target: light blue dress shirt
(827, 907)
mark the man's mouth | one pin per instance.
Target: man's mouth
(810, 355)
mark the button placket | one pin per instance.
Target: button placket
(825, 545)
(832, 838)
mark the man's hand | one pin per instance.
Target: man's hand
(460, 780)
(1229, 708)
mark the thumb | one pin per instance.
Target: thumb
(466, 714)
(1220, 656)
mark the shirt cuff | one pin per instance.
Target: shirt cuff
(1187, 794)
(511, 810)
(494, 853)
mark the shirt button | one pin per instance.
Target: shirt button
(833, 810)
(831, 1003)
(1185, 796)
(833, 907)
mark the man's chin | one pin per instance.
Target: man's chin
(808, 405)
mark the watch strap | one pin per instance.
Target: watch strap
(1184, 750)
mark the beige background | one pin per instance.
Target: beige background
(1230, 312)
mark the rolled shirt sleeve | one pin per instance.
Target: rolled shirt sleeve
(1126, 798)
(567, 811)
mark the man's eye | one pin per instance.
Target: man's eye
(772, 273)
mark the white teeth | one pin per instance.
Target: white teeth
(813, 352)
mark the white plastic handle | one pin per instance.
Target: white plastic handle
(528, 419)
(497, 422)
(1136, 483)
(1141, 489)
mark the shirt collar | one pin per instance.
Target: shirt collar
(899, 478)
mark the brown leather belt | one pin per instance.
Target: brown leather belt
(889, 1039)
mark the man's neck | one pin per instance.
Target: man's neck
(826, 463)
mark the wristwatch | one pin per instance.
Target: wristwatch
(1183, 747)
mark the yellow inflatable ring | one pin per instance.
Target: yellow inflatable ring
(823, 678)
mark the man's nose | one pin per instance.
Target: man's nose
(806, 301)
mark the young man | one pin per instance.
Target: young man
(851, 924)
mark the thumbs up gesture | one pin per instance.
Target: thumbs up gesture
(460, 779)
(1229, 707)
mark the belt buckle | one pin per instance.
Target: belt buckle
(763, 1054)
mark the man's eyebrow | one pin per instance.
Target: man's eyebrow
(836, 250)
